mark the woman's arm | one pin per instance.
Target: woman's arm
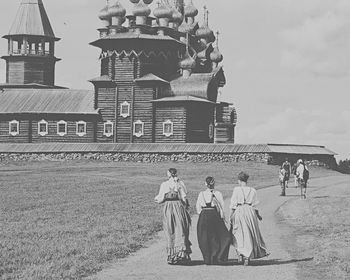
(199, 203)
(162, 191)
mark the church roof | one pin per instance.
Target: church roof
(47, 101)
(151, 77)
(187, 98)
(31, 19)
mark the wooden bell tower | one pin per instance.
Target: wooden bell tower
(31, 47)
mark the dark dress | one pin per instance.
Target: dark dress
(213, 237)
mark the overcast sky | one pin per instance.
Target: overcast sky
(287, 63)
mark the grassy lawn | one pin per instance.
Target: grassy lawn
(66, 220)
(321, 229)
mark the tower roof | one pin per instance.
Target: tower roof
(31, 19)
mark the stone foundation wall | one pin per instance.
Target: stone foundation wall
(135, 157)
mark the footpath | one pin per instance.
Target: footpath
(150, 263)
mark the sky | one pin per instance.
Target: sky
(287, 63)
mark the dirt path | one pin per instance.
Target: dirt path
(150, 263)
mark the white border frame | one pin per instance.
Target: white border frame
(104, 128)
(62, 133)
(14, 133)
(46, 130)
(138, 134)
(168, 134)
(81, 134)
(124, 115)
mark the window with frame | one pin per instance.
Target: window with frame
(81, 128)
(138, 128)
(125, 109)
(168, 128)
(62, 128)
(211, 131)
(14, 127)
(108, 128)
(43, 128)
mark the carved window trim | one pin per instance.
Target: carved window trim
(81, 134)
(61, 133)
(125, 113)
(108, 133)
(16, 125)
(168, 132)
(43, 133)
(138, 132)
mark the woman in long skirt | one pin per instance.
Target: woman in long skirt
(247, 239)
(176, 219)
(213, 237)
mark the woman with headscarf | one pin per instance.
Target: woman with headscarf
(213, 237)
(247, 240)
(176, 219)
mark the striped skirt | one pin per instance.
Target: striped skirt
(176, 224)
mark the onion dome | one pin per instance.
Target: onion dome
(163, 11)
(185, 28)
(134, 1)
(204, 32)
(177, 16)
(117, 10)
(191, 10)
(216, 56)
(141, 10)
(187, 63)
(147, 2)
(104, 13)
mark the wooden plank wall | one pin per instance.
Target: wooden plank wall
(5, 137)
(15, 72)
(199, 117)
(175, 113)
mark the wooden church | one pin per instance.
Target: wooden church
(159, 82)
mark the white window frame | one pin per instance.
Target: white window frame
(104, 129)
(46, 130)
(58, 125)
(125, 115)
(17, 130)
(168, 134)
(138, 134)
(81, 134)
(211, 131)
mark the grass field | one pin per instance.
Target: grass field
(67, 220)
(321, 229)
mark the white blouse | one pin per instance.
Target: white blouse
(171, 185)
(243, 195)
(206, 196)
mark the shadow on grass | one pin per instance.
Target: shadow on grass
(233, 262)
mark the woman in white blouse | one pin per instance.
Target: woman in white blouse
(244, 215)
(213, 237)
(176, 219)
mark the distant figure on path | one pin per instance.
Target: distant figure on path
(283, 181)
(302, 177)
(214, 238)
(248, 240)
(176, 219)
(288, 168)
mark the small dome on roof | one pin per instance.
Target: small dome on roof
(141, 9)
(163, 11)
(134, 1)
(147, 2)
(205, 32)
(216, 55)
(185, 27)
(177, 16)
(104, 13)
(191, 10)
(187, 63)
(117, 10)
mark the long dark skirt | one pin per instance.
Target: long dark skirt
(213, 237)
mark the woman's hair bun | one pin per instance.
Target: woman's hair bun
(173, 172)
